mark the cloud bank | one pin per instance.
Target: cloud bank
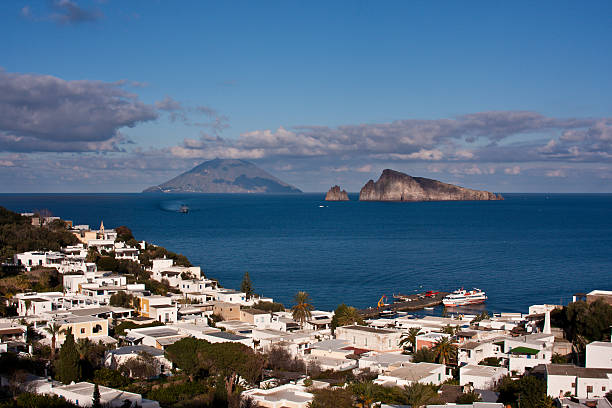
(46, 113)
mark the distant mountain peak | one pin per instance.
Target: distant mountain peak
(224, 176)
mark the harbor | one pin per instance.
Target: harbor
(405, 303)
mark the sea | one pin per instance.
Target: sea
(528, 249)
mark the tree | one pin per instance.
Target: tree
(424, 355)
(67, 365)
(144, 366)
(482, 316)
(468, 398)
(332, 397)
(410, 338)
(344, 316)
(53, 329)
(365, 392)
(122, 299)
(185, 354)
(302, 309)
(530, 391)
(418, 395)
(246, 286)
(445, 351)
(96, 397)
(491, 362)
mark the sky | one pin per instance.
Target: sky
(117, 96)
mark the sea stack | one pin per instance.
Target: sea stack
(335, 194)
(396, 186)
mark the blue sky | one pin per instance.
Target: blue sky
(117, 96)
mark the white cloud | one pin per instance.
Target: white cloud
(555, 173)
(513, 170)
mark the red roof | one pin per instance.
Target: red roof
(356, 351)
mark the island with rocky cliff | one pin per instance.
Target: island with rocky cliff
(335, 194)
(396, 186)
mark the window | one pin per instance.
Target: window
(589, 388)
(82, 331)
(573, 384)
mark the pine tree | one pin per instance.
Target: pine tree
(68, 367)
(96, 397)
(247, 286)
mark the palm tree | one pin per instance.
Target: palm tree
(53, 329)
(302, 310)
(418, 395)
(348, 315)
(410, 338)
(445, 350)
(365, 393)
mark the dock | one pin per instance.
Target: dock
(413, 302)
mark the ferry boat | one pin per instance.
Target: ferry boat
(184, 209)
(463, 297)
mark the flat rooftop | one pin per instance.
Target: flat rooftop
(368, 329)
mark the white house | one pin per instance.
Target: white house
(159, 337)
(424, 373)
(285, 396)
(580, 382)
(481, 377)
(115, 358)
(599, 354)
(81, 394)
(370, 338)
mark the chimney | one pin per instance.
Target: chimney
(547, 329)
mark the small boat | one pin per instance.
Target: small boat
(184, 209)
(386, 313)
(428, 308)
(462, 297)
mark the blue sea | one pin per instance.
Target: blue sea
(528, 249)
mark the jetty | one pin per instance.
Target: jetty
(417, 301)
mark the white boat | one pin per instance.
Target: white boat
(463, 297)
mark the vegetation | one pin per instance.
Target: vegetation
(410, 338)
(269, 306)
(144, 366)
(530, 391)
(280, 359)
(418, 395)
(491, 361)
(122, 299)
(424, 355)
(30, 400)
(154, 252)
(17, 234)
(96, 397)
(226, 362)
(110, 378)
(445, 351)
(67, 366)
(302, 309)
(468, 398)
(332, 397)
(482, 316)
(53, 329)
(246, 286)
(583, 323)
(345, 315)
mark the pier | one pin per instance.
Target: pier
(413, 302)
